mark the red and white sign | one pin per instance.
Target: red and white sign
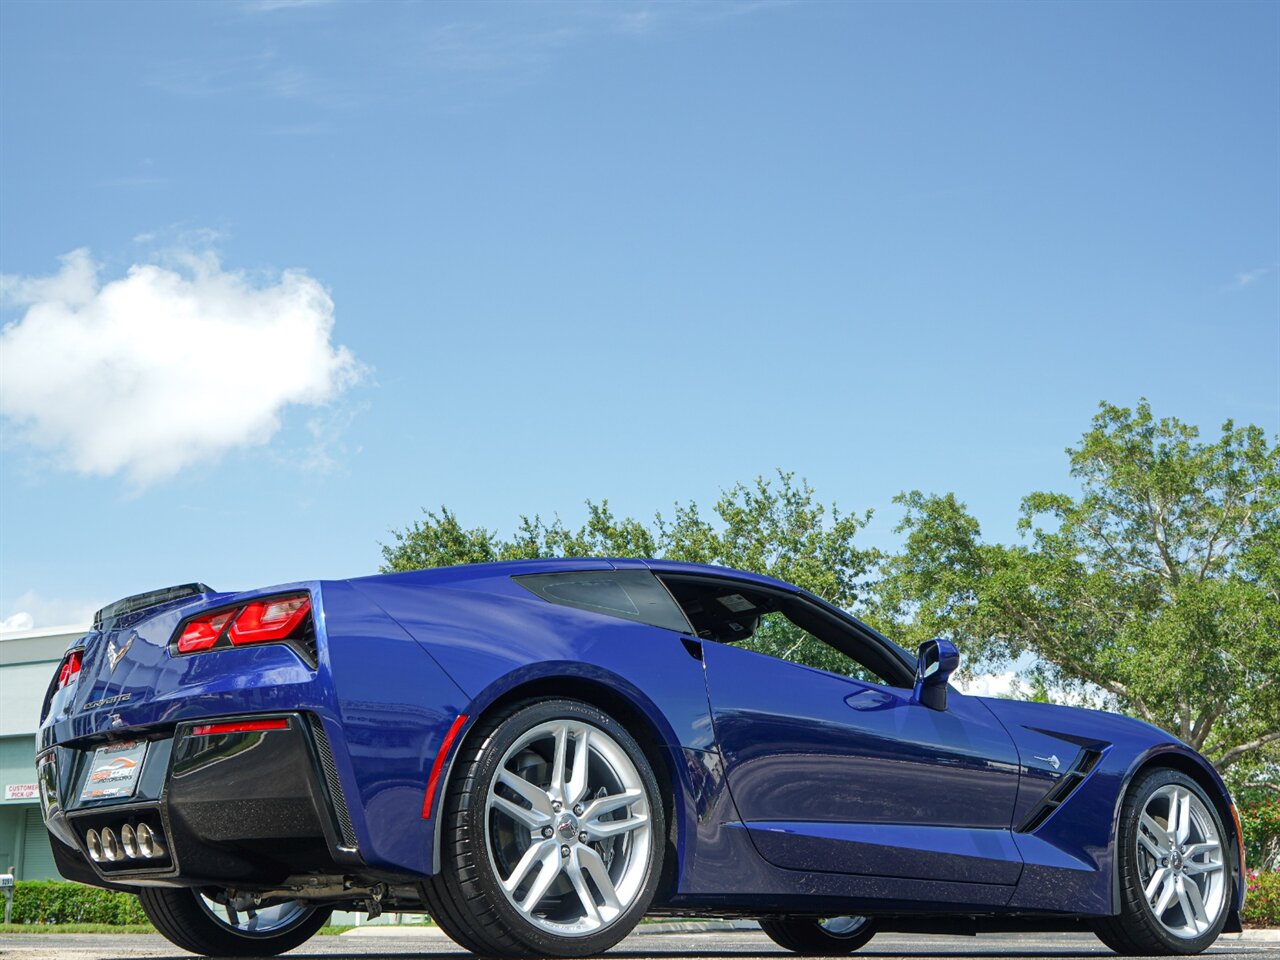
(20, 791)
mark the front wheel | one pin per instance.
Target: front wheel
(206, 922)
(827, 937)
(553, 834)
(1175, 880)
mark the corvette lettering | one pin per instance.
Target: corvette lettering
(107, 701)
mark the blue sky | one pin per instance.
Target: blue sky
(509, 257)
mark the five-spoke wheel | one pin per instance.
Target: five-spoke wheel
(568, 828)
(554, 834)
(1174, 874)
(1180, 861)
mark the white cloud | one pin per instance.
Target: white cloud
(1246, 277)
(1006, 685)
(169, 366)
(32, 610)
(18, 621)
(271, 6)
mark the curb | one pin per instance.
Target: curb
(1265, 935)
(642, 930)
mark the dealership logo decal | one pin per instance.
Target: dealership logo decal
(114, 656)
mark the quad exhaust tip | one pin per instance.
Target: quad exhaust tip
(133, 843)
(149, 844)
(110, 845)
(94, 843)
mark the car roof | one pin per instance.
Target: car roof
(511, 568)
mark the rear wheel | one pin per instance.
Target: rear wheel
(206, 922)
(553, 832)
(1174, 878)
(827, 937)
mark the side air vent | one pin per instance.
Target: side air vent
(337, 801)
(1063, 789)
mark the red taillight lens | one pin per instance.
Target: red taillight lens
(203, 632)
(266, 620)
(270, 620)
(70, 668)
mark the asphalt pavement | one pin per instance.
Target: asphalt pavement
(730, 945)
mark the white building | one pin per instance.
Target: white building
(28, 661)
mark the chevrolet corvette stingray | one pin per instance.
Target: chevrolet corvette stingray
(540, 753)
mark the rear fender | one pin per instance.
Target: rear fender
(692, 780)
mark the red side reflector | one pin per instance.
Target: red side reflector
(1239, 836)
(445, 746)
(264, 621)
(239, 726)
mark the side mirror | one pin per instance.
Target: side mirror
(935, 663)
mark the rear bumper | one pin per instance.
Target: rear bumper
(224, 808)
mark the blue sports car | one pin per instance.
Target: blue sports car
(540, 753)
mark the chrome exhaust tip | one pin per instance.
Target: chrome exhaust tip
(94, 843)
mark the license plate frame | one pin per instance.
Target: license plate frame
(114, 771)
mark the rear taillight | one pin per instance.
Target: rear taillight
(203, 632)
(70, 668)
(269, 620)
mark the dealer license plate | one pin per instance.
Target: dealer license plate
(114, 771)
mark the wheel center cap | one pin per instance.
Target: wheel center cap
(567, 827)
(1176, 861)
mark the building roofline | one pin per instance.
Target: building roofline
(66, 630)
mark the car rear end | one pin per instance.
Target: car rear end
(183, 742)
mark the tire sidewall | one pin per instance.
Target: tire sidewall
(180, 917)
(807, 935)
(1130, 878)
(473, 825)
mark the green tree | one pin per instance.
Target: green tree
(1158, 584)
(775, 527)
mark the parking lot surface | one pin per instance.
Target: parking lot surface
(730, 945)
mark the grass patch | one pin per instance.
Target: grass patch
(333, 929)
(76, 928)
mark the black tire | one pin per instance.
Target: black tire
(809, 936)
(181, 917)
(466, 897)
(1136, 931)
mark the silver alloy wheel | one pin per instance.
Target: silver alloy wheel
(250, 921)
(842, 926)
(568, 828)
(1180, 862)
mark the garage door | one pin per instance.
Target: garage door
(37, 855)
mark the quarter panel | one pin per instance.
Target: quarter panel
(394, 704)
(493, 636)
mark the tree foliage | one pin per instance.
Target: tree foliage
(1158, 583)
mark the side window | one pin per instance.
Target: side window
(628, 594)
(779, 637)
(783, 626)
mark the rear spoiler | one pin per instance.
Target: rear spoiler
(153, 598)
